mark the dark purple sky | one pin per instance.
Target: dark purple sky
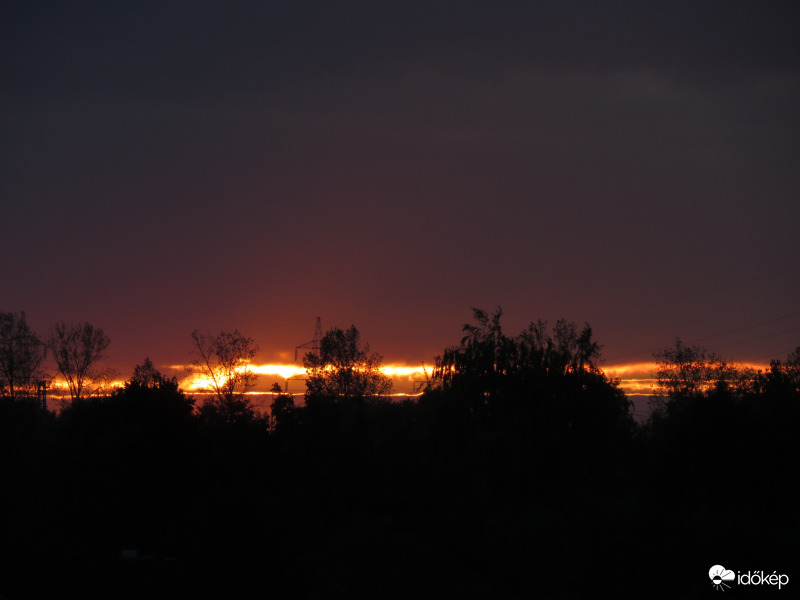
(167, 166)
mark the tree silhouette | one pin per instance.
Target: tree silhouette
(22, 355)
(223, 361)
(153, 399)
(345, 369)
(282, 410)
(690, 372)
(75, 349)
(493, 374)
(782, 380)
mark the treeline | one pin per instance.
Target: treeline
(72, 349)
(519, 473)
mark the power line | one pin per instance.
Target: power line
(728, 332)
(762, 337)
(669, 300)
(708, 337)
(783, 354)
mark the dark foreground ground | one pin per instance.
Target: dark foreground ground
(115, 500)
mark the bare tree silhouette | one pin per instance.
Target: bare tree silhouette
(76, 349)
(223, 360)
(22, 355)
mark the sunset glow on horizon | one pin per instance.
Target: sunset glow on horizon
(636, 378)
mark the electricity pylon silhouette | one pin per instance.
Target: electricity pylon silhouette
(313, 345)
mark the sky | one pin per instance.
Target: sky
(171, 166)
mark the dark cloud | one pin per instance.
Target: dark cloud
(254, 165)
(215, 47)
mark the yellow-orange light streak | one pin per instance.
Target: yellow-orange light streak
(634, 378)
(60, 385)
(287, 371)
(639, 378)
